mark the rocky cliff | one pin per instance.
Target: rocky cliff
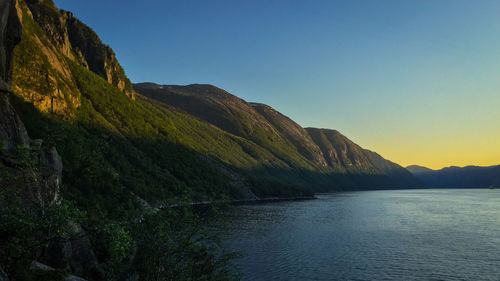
(41, 179)
(51, 40)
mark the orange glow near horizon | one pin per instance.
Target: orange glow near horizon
(437, 152)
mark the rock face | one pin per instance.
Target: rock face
(79, 42)
(3, 275)
(42, 186)
(10, 35)
(13, 135)
(12, 132)
(52, 40)
(74, 253)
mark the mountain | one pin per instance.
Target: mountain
(399, 175)
(457, 177)
(325, 159)
(231, 114)
(416, 169)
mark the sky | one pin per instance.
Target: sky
(416, 81)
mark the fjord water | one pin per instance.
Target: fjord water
(445, 234)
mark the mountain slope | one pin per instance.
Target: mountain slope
(324, 159)
(51, 38)
(293, 132)
(399, 175)
(229, 113)
(456, 177)
(341, 153)
(344, 155)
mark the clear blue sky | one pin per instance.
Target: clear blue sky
(417, 81)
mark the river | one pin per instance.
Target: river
(433, 234)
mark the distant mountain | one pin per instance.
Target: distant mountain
(456, 177)
(416, 169)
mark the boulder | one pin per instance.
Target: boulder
(3, 275)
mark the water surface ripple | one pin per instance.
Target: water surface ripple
(441, 234)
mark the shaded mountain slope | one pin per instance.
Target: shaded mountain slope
(293, 132)
(333, 161)
(229, 113)
(341, 153)
(399, 175)
(456, 177)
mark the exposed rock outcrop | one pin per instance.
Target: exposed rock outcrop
(42, 74)
(79, 42)
(12, 130)
(74, 252)
(40, 266)
(10, 35)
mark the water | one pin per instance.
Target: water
(373, 235)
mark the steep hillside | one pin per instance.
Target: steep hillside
(297, 135)
(229, 113)
(341, 153)
(456, 177)
(323, 159)
(399, 175)
(51, 38)
(79, 42)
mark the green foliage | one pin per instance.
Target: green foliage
(178, 246)
(24, 231)
(3, 145)
(114, 242)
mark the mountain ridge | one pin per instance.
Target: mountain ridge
(458, 177)
(306, 147)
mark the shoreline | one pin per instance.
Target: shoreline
(241, 202)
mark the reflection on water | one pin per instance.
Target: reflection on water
(371, 235)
